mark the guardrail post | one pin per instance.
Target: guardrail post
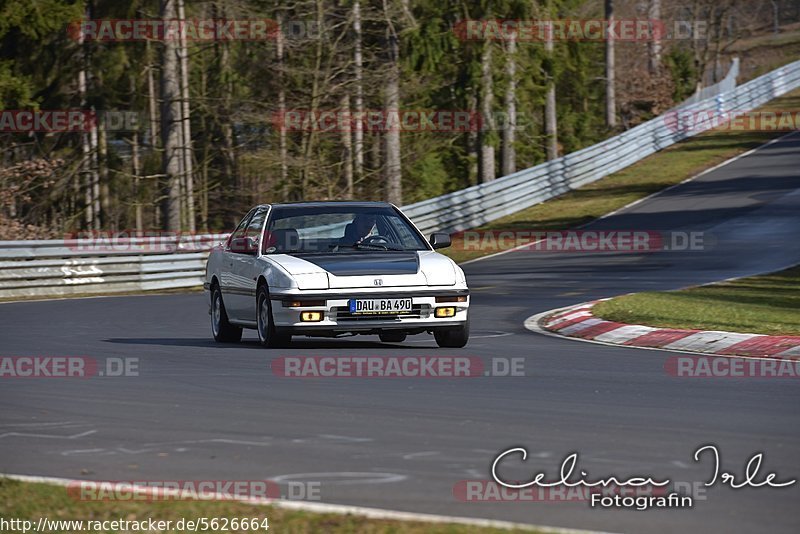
(720, 99)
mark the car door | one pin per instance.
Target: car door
(244, 270)
(230, 285)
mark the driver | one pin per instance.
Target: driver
(359, 229)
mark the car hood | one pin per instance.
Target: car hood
(369, 269)
(367, 263)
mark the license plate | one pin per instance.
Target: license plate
(380, 306)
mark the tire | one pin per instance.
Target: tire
(393, 337)
(266, 328)
(221, 328)
(453, 337)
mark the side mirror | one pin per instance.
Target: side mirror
(440, 240)
(244, 245)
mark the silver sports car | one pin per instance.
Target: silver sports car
(333, 269)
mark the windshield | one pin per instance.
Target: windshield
(326, 229)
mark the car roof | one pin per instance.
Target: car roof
(338, 203)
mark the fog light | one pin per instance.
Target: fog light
(445, 312)
(311, 316)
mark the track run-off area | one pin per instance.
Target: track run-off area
(202, 410)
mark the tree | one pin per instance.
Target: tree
(550, 114)
(509, 163)
(654, 45)
(611, 100)
(358, 73)
(216, 145)
(171, 122)
(187, 176)
(486, 137)
(283, 151)
(391, 88)
(88, 141)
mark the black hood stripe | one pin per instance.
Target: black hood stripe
(367, 263)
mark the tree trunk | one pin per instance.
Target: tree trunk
(487, 166)
(308, 141)
(186, 128)
(358, 60)
(89, 155)
(375, 160)
(104, 190)
(86, 157)
(170, 123)
(776, 25)
(611, 99)
(394, 186)
(509, 128)
(282, 141)
(152, 100)
(654, 45)
(223, 126)
(347, 144)
(95, 163)
(136, 167)
(550, 116)
(473, 142)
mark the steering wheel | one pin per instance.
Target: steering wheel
(375, 240)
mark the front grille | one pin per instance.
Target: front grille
(342, 314)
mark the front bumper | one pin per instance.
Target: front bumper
(338, 320)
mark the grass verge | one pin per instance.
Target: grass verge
(766, 304)
(659, 171)
(30, 501)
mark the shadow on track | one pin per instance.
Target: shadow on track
(297, 344)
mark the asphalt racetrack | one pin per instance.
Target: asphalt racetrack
(202, 410)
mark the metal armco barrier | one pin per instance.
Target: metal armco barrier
(102, 265)
(487, 202)
(61, 268)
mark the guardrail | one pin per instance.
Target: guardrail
(94, 266)
(102, 265)
(728, 83)
(489, 201)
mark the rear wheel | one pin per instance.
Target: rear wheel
(266, 327)
(393, 337)
(453, 337)
(222, 329)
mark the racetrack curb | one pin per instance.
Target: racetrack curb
(578, 322)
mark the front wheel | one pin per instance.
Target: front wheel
(266, 327)
(453, 337)
(222, 329)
